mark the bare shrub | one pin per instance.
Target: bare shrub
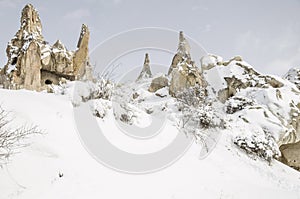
(12, 139)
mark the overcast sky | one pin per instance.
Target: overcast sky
(265, 33)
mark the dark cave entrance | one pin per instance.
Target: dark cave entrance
(48, 82)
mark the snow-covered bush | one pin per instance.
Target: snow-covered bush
(12, 138)
(237, 103)
(85, 91)
(202, 117)
(127, 118)
(262, 146)
(193, 96)
(102, 89)
(124, 112)
(197, 114)
(205, 116)
(60, 89)
(100, 107)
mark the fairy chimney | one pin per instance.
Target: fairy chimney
(146, 71)
(33, 63)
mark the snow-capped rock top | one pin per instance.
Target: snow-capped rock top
(59, 46)
(30, 30)
(209, 61)
(183, 46)
(227, 78)
(293, 75)
(30, 22)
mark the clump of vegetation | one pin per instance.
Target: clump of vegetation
(237, 103)
(264, 146)
(198, 118)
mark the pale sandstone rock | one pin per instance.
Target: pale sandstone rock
(183, 71)
(81, 59)
(183, 52)
(158, 83)
(32, 65)
(236, 58)
(291, 155)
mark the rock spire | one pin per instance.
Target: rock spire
(146, 71)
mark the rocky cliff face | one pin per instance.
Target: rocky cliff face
(33, 63)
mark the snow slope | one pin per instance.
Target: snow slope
(34, 172)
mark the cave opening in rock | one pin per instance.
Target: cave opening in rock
(14, 61)
(48, 82)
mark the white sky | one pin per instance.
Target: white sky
(265, 33)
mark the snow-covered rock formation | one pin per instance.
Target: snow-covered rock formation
(183, 72)
(293, 75)
(264, 107)
(235, 75)
(33, 63)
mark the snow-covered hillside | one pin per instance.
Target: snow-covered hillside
(57, 165)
